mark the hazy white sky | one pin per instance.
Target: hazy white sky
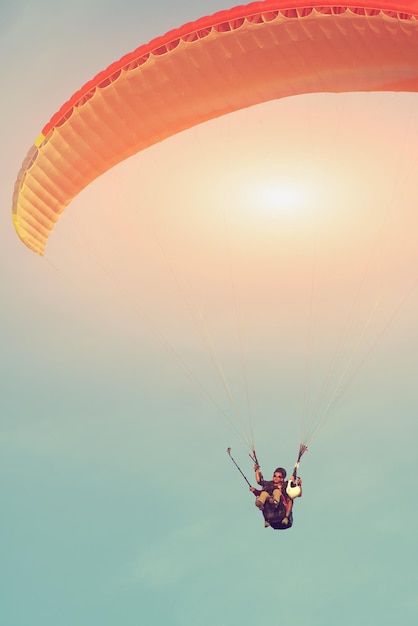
(288, 233)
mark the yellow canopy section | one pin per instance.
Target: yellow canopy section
(219, 64)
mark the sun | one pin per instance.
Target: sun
(277, 197)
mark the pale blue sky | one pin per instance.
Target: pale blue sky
(119, 503)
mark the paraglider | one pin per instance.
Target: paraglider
(275, 498)
(208, 68)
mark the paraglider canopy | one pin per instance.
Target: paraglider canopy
(216, 65)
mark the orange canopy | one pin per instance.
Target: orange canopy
(213, 66)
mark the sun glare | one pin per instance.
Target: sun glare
(278, 197)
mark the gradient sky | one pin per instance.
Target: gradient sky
(288, 234)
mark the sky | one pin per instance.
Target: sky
(263, 264)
